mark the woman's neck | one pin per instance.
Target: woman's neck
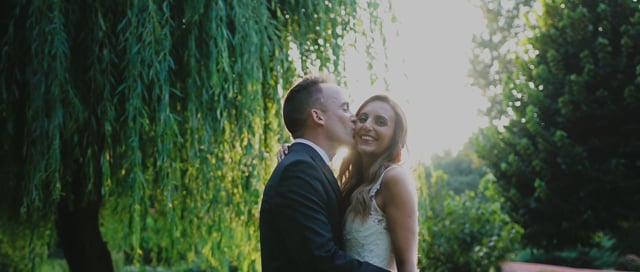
(367, 165)
(367, 162)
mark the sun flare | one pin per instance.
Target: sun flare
(427, 74)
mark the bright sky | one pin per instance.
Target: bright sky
(429, 61)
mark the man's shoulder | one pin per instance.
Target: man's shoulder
(299, 153)
(296, 158)
(295, 170)
(296, 161)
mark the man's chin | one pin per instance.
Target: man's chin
(349, 143)
(346, 146)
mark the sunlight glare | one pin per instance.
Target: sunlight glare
(428, 66)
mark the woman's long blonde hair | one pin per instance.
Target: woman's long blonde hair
(355, 181)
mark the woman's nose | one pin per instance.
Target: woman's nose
(365, 125)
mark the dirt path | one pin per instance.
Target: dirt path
(532, 267)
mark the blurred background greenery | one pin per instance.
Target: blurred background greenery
(137, 136)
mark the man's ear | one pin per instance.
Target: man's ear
(317, 116)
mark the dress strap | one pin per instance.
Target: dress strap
(376, 186)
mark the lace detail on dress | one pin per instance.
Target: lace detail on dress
(368, 239)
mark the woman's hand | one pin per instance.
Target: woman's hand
(284, 149)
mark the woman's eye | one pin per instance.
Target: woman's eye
(381, 122)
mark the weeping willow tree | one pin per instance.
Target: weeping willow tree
(143, 129)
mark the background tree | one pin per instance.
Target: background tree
(464, 170)
(496, 48)
(149, 124)
(567, 159)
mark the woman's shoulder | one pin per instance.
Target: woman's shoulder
(398, 189)
(397, 173)
(397, 177)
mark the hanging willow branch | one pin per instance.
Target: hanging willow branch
(173, 106)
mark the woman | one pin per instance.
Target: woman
(381, 220)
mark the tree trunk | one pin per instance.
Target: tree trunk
(78, 226)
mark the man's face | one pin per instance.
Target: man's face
(339, 118)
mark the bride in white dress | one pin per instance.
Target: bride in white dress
(381, 221)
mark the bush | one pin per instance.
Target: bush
(23, 247)
(601, 256)
(465, 232)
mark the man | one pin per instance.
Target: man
(302, 210)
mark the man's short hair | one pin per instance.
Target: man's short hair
(300, 99)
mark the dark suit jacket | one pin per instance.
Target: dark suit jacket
(301, 217)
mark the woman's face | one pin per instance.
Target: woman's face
(375, 124)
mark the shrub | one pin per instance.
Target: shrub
(465, 232)
(601, 256)
(23, 247)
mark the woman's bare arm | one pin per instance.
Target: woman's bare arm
(399, 202)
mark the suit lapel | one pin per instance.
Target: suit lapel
(332, 179)
(335, 209)
(326, 170)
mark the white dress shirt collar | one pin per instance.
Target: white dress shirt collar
(323, 154)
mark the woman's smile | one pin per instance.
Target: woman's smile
(374, 127)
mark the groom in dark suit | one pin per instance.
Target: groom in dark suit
(302, 209)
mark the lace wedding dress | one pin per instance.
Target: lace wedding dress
(368, 239)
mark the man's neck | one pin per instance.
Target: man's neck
(321, 144)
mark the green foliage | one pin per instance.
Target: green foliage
(169, 110)
(601, 256)
(565, 145)
(464, 171)
(24, 248)
(463, 232)
(54, 265)
(495, 51)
